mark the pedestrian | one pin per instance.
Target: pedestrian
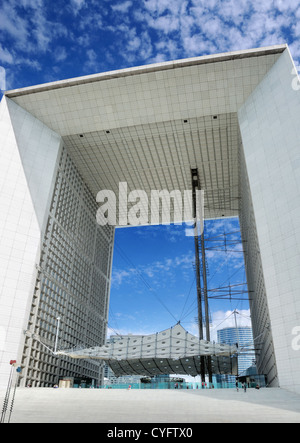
(245, 387)
(237, 386)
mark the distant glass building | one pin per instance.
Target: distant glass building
(111, 379)
(244, 337)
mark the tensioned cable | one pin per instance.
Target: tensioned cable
(148, 286)
(181, 315)
(192, 308)
(114, 317)
(110, 327)
(222, 265)
(232, 275)
(226, 318)
(217, 269)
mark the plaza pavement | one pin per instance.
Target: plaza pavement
(48, 405)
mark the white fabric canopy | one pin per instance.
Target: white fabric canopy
(171, 351)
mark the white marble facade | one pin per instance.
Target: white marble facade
(29, 152)
(270, 129)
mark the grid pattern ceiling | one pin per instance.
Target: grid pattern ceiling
(160, 156)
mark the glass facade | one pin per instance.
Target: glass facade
(243, 336)
(73, 284)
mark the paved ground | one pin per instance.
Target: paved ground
(48, 405)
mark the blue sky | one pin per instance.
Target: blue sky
(153, 279)
(43, 41)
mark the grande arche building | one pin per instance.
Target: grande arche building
(233, 116)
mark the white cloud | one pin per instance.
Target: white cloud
(155, 272)
(91, 64)
(211, 26)
(6, 56)
(167, 49)
(166, 23)
(122, 7)
(119, 275)
(234, 10)
(60, 54)
(34, 4)
(159, 7)
(84, 40)
(158, 58)
(295, 51)
(286, 5)
(134, 43)
(14, 25)
(195, 44)
(31, 32)
(2, 79)
(77, 5)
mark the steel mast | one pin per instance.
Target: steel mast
(196, 187)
